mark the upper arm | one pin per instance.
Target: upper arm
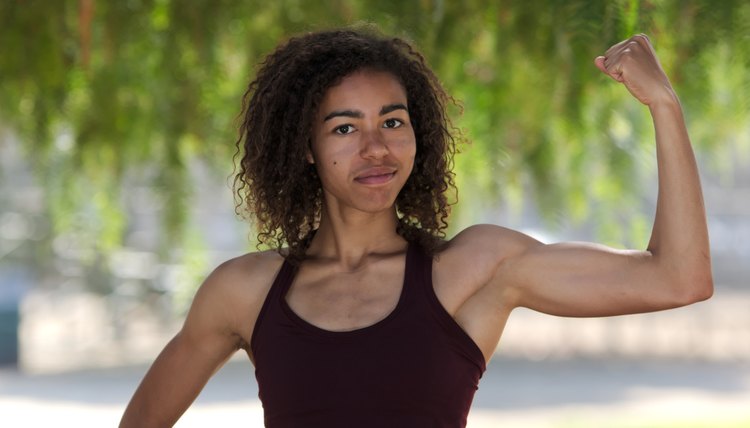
(581, 279)
(218, 323)
(574, 279)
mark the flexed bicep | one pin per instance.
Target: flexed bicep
(579, 279)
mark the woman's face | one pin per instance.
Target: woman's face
(363, 143)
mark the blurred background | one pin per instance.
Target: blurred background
(117, 131)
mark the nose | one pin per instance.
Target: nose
(374, 145)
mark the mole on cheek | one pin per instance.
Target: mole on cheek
(335, 163)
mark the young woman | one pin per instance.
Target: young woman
(365, 316)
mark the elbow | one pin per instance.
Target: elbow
(688, 278)
(702, 281)
(706, 290)
(702, 291)
(696, 288)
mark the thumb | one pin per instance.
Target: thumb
(614, 74)
(599, 62)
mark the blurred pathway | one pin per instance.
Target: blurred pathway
(513, 393)
(62, 332)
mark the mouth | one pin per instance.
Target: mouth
(377, 175)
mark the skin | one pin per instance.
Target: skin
(363, 148)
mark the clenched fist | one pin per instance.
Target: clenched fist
(633, 63)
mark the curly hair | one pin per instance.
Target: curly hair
(280, 189)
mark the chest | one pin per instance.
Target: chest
(345, 301)
(415, 368)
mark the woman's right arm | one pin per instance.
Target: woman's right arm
(219, 322)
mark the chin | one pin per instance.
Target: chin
(374, 206)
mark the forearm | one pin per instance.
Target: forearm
(679, 241)
(170, 386)
(158, 401)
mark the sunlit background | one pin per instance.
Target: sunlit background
(117, 130)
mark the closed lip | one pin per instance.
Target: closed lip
(375, 176)
(375, 172)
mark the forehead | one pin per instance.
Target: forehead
(364, 87)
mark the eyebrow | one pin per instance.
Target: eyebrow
(358, 114)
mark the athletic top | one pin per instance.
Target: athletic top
(414, 368)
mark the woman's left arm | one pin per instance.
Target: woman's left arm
(579, 279)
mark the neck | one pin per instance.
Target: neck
(349, 240)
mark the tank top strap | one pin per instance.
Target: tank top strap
(419, 275)
(278, 289)
(284, 279)
(418, 272)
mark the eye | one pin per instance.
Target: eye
(392, 123)
(344, 129)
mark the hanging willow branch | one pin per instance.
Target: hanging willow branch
(100, 91)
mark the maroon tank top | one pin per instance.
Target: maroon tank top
(414, 368)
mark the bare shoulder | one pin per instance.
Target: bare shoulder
(232, 295)
(485, 244)
(248, 274)
(471, 259)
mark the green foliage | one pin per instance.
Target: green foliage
(100, 91)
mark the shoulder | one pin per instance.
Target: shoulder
(231, 296)
(473, 257)
(244, 273)
(486, 244)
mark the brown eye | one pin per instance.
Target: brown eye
(392, 123)
(344, 129)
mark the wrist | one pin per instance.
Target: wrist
(667, 101)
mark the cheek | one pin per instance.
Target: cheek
(340, 154)
(409, 150)
(413, 150)
(413, 154)
(329, 166)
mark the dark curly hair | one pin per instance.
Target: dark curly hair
(277, 186)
